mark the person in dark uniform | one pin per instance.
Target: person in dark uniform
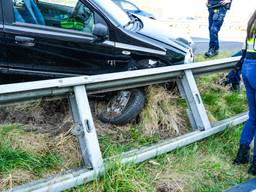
(217, 11)
(248, 73)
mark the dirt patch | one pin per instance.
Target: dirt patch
(67, 147)
(170, 186)
(16, 177)
(44, 116)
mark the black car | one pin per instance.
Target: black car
(43, 39)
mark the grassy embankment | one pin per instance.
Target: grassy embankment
(203, 166)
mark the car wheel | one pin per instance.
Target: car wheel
(123, 107)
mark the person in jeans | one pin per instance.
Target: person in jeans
(217, 11)
(248, 73)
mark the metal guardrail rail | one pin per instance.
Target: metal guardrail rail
(78, 89)
(109, 82)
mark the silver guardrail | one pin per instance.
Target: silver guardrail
(77, 90)
(110, 82)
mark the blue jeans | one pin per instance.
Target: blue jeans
(216, 19)
(249, 77)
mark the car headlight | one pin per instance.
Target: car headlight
(189, 58)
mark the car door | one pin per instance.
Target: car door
(3, 50)
(49, 38)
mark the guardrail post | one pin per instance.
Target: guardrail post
(84, 128)
(189, 112)
(188, 88)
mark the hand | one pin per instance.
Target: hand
(224, 2)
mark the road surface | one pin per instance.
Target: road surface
(202, 45)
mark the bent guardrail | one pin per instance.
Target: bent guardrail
(78, 88)
(110, 82)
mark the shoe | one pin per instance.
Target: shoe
(235, 87)
(243, 155)
(211, 52)
(252, 169)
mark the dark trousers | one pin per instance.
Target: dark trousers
(249, 130)
(216, 19)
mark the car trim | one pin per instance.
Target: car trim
(1, 13)
(54, 33)
(137, 48)
(78, 36)
(36, 72)
(110, 43)
(46, 31)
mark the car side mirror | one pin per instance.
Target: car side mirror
(100, 31)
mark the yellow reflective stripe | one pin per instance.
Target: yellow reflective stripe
(251, 51)
(251, 45)
(250, 41)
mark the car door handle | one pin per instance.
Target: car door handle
(25, 41)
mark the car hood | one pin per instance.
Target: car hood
(142, 13)
(162, 33)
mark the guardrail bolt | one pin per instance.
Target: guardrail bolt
(77, 130)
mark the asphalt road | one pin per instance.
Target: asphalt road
(202, 45)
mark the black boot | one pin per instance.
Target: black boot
(252, 169)
(211, 52)
(242, 155)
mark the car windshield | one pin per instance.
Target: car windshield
(128, 6)
(114, 11)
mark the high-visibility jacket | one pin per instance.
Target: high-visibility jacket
(72, 23)
(251, 48)
(251, 44)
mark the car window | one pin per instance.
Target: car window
(128, 6)
(65, 14)
(113, 11)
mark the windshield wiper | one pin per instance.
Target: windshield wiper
(131, 22)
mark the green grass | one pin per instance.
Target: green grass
(13, 157)
(125, 178)
(223, 54)
(205, 166)
(220, 103)
(137, 139)
(212, 162)
(201, 167)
